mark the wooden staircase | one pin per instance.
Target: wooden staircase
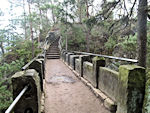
(53, 51)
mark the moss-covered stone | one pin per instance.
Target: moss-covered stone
(88, 73)
(37, 65)
(82, 59)
(131, 88)
(77, 65)
(108, 82)
(97, 62)
(31, 99)
(72, 60)
(146, 105)
(98, 58)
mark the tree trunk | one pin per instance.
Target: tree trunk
(142, 32)
(53, 15)
(31, 31)
(88, 29)
(25, 28)
(79, 11)
(40, 24)
(2, 48)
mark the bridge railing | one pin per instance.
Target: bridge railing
(124, 89)
(28, 84)
(11, 107)
(27, 87)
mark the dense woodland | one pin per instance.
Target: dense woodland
(112, 27)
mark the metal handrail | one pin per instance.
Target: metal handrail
(110, 57)
(16, 100)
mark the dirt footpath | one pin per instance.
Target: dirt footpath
(65, 93)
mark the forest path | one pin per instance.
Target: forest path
(65, 93)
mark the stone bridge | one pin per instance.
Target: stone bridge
(58, 81)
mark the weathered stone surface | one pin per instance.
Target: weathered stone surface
(88, 73)
(64, 56)
(40, 56)
(61, 54)
(108, 82)
(43, 67)
(38, 66)
(68, 58)
(77, 65)
(72, 60)
(83, 58)
(97, 62)
(131, 89)
(146, 106)
(110, 105)
(31, 99)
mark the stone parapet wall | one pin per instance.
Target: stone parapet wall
(88, 73)
(125, 87)
(77, 65)
(108, 82)
(72, 60)
(30, 101)
(68, 57)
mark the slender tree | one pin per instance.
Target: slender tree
(25, 21)
(142, 32)
(31, 29)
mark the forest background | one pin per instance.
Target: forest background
(108, 27)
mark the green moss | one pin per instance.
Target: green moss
(131, 67)
(89, 66)
(146, 105)
(18, 74)
(98, 58)
(132, 83)
(123, 72)
(135, 73)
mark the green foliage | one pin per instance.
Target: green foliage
(148, 50)
(5, 95)
(75, 36)
(17, 55)
(10, 69)
(23, 49)
(130, 44)
(110, 44)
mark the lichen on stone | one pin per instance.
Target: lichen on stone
(98, 58)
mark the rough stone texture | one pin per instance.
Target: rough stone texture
(88, 73)
(61, 54)
(40, 56)
(108, 82)
(38, 66)
(109, 104)
(31, 99)
(43, 67)
(131, 89)
(42, 102)
(97, 62)
(83, 58)
(146, 106)
(77, 65)
(68, 58)
(72, 60)
(64, 56)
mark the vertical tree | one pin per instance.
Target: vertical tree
(31, 29)
(142, 32)
(25, 21)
